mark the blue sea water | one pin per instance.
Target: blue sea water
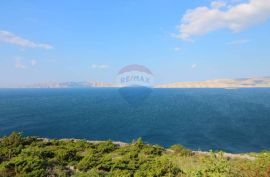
(219, 119)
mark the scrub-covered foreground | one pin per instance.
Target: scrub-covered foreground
(30, 156)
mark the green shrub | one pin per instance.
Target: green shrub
(91, 173)
(28, 156)
(10, 146)
(106, 147)
(215, 166)
(25, 166)
(181, 150)
(158, 167)
(89, 161)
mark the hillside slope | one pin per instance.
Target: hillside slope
(222, 83)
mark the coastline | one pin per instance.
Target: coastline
(35, 156)
(244, 156)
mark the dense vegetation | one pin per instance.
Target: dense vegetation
(31, 157)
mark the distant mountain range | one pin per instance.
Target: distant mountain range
(68, 85)
(222, 83)
(218, 83)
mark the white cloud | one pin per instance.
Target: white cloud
(95, 66)
(218, 4)
(33, 62)
(238, 42)
(194, 66)
(177, 49)
(235, 17)
(11, 38)
(19, 64)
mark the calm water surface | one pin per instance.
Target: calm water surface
(230, 120)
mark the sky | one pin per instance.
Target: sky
(178, 40)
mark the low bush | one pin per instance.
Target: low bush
(32, 157)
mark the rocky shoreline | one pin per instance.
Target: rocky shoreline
(244, 156)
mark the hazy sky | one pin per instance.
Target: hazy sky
(178, 40)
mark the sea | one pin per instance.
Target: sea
(231, 120)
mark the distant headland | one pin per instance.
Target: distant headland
(253, 82)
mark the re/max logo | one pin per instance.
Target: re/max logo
(136, 78)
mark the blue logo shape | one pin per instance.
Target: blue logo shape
(135, 83)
